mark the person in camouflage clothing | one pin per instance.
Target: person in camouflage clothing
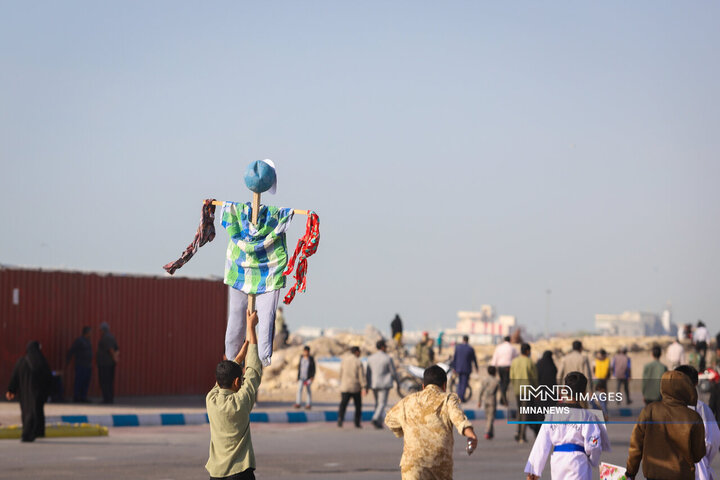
(425, 421)
(424, 353)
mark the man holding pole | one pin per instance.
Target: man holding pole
(228, 408)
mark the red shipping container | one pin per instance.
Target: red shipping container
(170, 331)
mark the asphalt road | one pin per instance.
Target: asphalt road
(304, 451)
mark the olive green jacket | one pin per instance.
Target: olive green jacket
(523, 371)
(231, 449)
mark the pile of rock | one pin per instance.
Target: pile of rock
(282, 373)
(280, 378)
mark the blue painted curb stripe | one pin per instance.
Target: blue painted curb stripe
(256, 417)
(130, 420)
(296, 417)
(172, 419)
(126, 421)
(74, 418)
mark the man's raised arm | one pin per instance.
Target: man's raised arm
(253, 368)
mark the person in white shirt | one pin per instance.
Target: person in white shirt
(703, 471)
(501, 359)
(700, 339)
(575, 447)
(675, 355)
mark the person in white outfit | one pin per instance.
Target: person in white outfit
(703, 470)
(675, 354)
(575, 447)
(501, 359)
(700, 339)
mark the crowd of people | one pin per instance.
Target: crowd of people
(676, 435)
(425, 419)
(32, 381)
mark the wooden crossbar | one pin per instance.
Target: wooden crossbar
(297, 212)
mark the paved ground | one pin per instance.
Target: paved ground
(307, 451)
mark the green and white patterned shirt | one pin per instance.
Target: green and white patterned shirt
(257, 254)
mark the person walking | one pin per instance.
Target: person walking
(652, 373)
(694, 357)
(501, 359)
(703, 470)
(621, 370)
(700, 339)
(305, 377)
(279, 330)
(675, 354)
(575, 439)
(547, 371)
(352, 383)
(424, 353)
(601, 369)
(462, 363)
(30, 383)
(107, 358)
(425, 420)
(575, 361)
(82, 350)
(522, 372)
(381, 376)
(228, 409)
(396, 329)
(668, 437)
(488, 400)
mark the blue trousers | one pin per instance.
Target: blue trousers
(462, 384)
(82, 382)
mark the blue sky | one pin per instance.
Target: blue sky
(458, 153)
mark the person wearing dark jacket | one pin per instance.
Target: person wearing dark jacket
(396, 328)
(668, 437)
(82, 351)
(714, 402)
(547, 375)
(462, 363)
(107, 358)
(306, 374)
(30, 383)
(547, 371)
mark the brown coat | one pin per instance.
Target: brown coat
(668, 436)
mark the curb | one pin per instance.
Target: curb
(166, 419)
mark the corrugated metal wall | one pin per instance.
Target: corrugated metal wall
(170, 331)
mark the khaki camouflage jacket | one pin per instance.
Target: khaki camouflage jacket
(425, 420)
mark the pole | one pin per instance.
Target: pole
(253, 219)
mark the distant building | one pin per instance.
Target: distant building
(635, 324)
(485, 326)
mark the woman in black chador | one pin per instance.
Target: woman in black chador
(30, 383)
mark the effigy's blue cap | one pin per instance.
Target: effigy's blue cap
(260, 176)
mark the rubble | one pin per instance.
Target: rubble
(280, 378)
